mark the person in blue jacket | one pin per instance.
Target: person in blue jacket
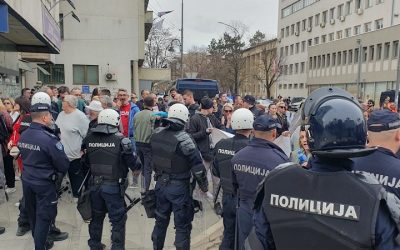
(44, 163)
(383, 133)
(327, 207)
(250, 165)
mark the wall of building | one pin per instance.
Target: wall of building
(296, 38)
(108, 36)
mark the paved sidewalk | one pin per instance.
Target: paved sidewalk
(138, 229)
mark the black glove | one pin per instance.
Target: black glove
(201, 179)
(59, 180)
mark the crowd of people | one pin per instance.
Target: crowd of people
(168, 141)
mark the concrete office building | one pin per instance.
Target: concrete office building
(321, 31)
(105, 49)
(25, 26)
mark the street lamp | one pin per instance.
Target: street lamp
(359, 67)
(171, 49)
(73, 15)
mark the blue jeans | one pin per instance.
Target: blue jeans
(107, 199)
(229, 202)
(173, 197)
(41, 207)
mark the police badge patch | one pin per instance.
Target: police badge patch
(59, 146)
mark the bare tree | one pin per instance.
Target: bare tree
(157, 48)
(269, 69)
(197, 62)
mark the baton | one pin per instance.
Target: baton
(83, 182)
(133, 202)
(217, 193)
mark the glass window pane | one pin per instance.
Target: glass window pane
(92, 74)
(79, 74)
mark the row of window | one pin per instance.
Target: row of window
(296, 6)
(300, 47)
(295, 68)
(321, 19)
(292, 86)
(385, 51)
(82, 74)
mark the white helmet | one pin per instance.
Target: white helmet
(41, 97)
(109, 117)
(179, 111)
(242, 119)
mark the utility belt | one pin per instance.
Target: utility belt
(97, 181)
(165, 179)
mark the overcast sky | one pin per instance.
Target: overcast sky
(201, 17)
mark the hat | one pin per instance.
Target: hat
(265, 123)
(206, 103)
(40, 107)
(249, 99)
(383, 120)
(95, 106)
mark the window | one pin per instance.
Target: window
(350, 56)
(357, 30)
(285, 70)
(302, 66)
(56, 74)
(281, 50)
(323, 61)
(286, 50)
(379, 1)
(285, 86)
(280, 86)
(310, 63)
(379, 51)
(289, 86)
(302, 85)
(387, 50)
(328, 60)
(331, 36)
(303, 24)
(323, 39)
(290, 69)
(316, 40)
(367, 27)
(292, 29)
(395, 49)
(287, 31)
(344, 57)
(333, 59)
(296, 68)
(358, 4)
(339, 34)
(332, 13)
(371, 52)
(339, 58)
(309, 42)
(319, 62)
(303, 46)
(297, 48)
(295, 86)
(324, 16)
(298, 27)
(364, 54)
(348, 8)
(317, 16)
(347, 32)
(310, 21)
(379, 24)
(368, 3)
(85, 74)
(315, 62)
(356, 54)
(291, 49)
(282, 33)
(340, 10)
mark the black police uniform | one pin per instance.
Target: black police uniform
(250, 166)
(224, 151)
(43, 159)
(109, 156)
(382, 163)
(175, 158)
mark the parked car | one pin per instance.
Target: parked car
(264, 102)
(296, 103)
(199, 87)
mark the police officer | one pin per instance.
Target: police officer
(250, 166)
(327, 207)
(44, 162)
(383, 133)
(175, 159)
(242, 123)
(55, 234)
(109, 155)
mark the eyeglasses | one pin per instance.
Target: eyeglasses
(282, 107)
(228, 111)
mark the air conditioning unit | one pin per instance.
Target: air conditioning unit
(111, 77)
(297, 33)
(332, 21)
(309, 29)
(360, 11)
(342, 18)
(322, 25)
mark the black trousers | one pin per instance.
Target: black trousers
(9, 171)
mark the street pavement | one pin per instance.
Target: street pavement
(138, 226)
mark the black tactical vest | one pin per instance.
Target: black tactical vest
(225, 150)
(312, 210)
(164, 145)
(104, 152)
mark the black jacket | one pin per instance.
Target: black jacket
(197, 129)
